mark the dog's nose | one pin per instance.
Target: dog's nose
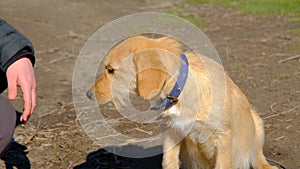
(90, 94)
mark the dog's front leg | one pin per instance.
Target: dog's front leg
(171, 150)
(224, 153)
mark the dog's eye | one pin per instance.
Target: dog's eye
(110, 70)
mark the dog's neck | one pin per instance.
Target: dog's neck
(172, 97)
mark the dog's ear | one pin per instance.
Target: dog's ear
(151, 73)
(170, 44)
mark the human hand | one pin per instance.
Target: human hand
(21, 74)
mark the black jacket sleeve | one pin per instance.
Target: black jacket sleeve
(13, 45)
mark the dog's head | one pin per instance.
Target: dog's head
(151, 59)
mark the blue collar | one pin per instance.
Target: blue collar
(172, 98)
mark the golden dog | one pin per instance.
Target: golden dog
(200, 136)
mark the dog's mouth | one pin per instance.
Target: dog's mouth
(131, 102)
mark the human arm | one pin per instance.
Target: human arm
(17, 60)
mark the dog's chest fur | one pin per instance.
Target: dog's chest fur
(194, 134)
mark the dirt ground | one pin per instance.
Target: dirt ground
(252, 49)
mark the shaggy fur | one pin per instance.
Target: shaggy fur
(212, 126)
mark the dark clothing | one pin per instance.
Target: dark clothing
(13, 45)
(7, 122)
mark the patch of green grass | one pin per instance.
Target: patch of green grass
(294, 20)
(283, 75)
(278, 7)
(241, 71)
(194, 20)
(293, 47)
(196, 1)
(296, 31)
(174, 12)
